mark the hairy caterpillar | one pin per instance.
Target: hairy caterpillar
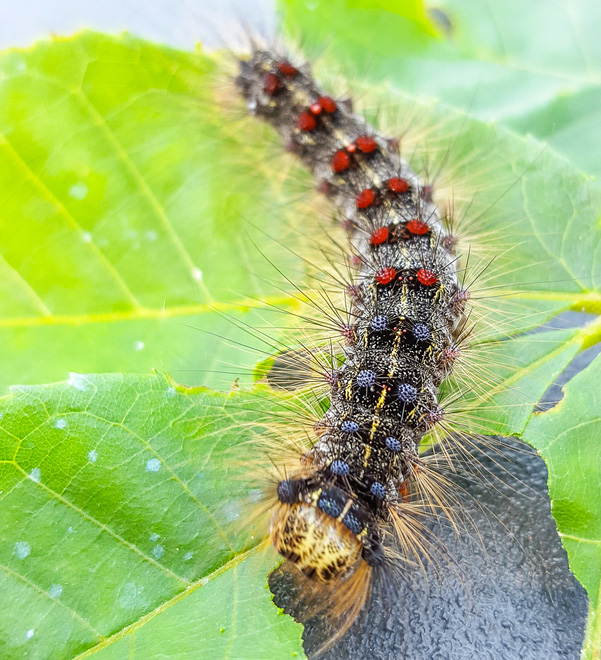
(401, 336)
(351, 509)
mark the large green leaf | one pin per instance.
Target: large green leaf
(124, 226)
(115, 536)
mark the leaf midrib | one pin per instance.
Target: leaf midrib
(146, 313)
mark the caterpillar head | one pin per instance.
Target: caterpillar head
(320, 546)
(321, 530)
(325, 533)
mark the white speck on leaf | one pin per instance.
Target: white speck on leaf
(86, 236)
(72, 531)
(254, 495)
(78, 190)
(197, 274)
(158, 551)
(22, 549)
(60, 423)
(171, 391)
(29, 634)
(92, 456)
(154, 537)
(153, 465)
(79, 382)
(232, 511)
(35, 475)
(55, 591)
(131, 596)
(188, 556)
(139, 345)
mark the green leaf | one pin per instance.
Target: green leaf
(567, 437)
(129, 216)
(532, 66)
(115, 538)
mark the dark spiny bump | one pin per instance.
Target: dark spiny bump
(339, 467)
(366, 378)
(329, 506)
(351, 522)
(349, 427)
(287, 491)
(378, 490)
(379, 323)
(421, 332)
(407, 393)
(393, 444)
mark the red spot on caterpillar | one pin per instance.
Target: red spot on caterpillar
(385, 275)
(306, 122)
(287, 69)
(379, 236)
(365, 198)
(398, 185)
(426, 277)
(271, 84)
(316, 108)
(328, 104)
(340, 161)
(366, 144)
(417, 227)
(352, 147)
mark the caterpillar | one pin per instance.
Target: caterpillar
(349, 509)
(406, 324)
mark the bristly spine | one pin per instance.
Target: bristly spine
(407, 311)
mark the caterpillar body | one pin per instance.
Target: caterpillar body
(342, 513)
